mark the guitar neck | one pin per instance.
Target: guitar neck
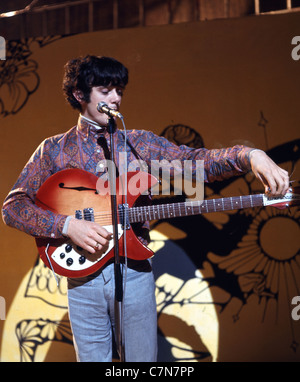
(172, 210)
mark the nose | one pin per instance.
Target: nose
(115, 97)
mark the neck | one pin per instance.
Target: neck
(91, 122)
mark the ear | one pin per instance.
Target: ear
(78, 95)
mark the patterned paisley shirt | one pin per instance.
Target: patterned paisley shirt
(83, 147)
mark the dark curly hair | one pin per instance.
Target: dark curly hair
(83, 73)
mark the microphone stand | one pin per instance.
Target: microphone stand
(117, 266)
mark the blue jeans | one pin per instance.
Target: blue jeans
(91, 312)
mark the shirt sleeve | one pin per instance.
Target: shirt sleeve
(19, 208)
(219, 164)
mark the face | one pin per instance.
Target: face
(111, 95)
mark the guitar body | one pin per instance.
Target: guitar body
(78, 192)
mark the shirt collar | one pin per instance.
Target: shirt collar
(86, 126)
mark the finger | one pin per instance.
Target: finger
(102, 240)
(266, 183)
(89, 248)
(101, 231)
(272, 185)
(94, 246)
(282, 182)
(286, 182)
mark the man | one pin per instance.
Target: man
(87, 82)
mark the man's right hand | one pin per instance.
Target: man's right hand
(88, 235)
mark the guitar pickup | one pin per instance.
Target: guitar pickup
(123, 216)
(86, 214)
(78, 214)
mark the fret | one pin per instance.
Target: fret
(141, 214)
(179, 211)
(218, 205)
(199, 206)
(158, 212)
(147, 212)
(168, 211)
(188, 208)
(163, 211)
(135, 215)
(192, 209)
(210, 205)
(153, 212)
(221, 204)
(131, 214)
(236, 204)
(174, 212)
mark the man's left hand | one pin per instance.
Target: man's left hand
(274, 178)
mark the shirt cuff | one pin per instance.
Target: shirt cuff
(252, 151)
(66, 225)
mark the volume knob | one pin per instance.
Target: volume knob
(69, 261)
(68, 248)
(82, 259)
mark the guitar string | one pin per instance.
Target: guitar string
(221, 202)
(144, 212)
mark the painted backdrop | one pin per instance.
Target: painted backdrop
(224, 281)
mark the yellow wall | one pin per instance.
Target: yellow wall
(224, 281)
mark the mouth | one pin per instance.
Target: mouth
(114, 108)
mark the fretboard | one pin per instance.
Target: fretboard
(172, 210)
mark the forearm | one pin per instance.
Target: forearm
(220, 164)
(20, 212)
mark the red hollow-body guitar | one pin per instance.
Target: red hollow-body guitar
(80, 194)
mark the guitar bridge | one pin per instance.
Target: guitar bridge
(123, 216)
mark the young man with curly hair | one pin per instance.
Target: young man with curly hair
(88, 81)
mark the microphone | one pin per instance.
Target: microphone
(103, 108)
